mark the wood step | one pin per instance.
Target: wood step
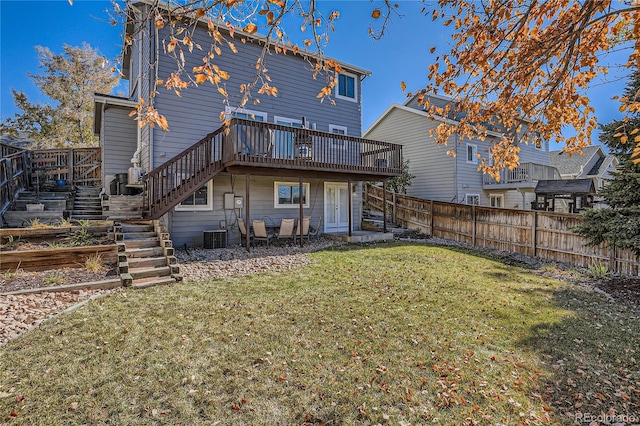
(144, 272)
(144, 252)
(152, 281)
(147, 262)
(128, 227)
(139, 235)
(147, 243)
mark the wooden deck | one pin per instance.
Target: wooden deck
(257, 148)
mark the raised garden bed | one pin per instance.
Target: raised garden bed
(47, 248)
(56, 258)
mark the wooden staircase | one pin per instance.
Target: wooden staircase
(87, 204)
(145, 254)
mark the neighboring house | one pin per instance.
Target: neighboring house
(199, 177)
(593, 164)
(442, 177)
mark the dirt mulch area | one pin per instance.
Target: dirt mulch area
(24, 280)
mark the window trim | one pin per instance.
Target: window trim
(474, 155)
(466, 199)
(333, 127)
(228, 111)
(277, 118)
(501, 196)
(355, 87)
(306, 188)
(201, 208)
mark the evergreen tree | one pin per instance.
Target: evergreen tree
(69, 79)
(619, 225)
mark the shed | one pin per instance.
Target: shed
(575, 194)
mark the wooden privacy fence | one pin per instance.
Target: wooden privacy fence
(544, 235)
(78, 166)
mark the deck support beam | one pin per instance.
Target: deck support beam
(384, 206)
(247, 178)
(301, 200)
(350, 208)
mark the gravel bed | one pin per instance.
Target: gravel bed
(21, 313)
(197, 264)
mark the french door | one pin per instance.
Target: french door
(336, 207)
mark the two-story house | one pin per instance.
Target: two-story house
(593, 163)
(455, 178)
(285, 157)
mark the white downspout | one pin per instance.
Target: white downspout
(134, 170)
(455, 169)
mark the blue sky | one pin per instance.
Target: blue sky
(402, 55)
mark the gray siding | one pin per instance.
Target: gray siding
(187, 226)
(118, 139)
(434, 171)
(197, 112)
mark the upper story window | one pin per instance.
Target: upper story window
(472, 153)
(288, 121)
(338, 130)
(347, 87)
(202, 199)
(247, 114)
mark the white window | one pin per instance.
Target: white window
(247, 114)
(472, 199)
(338, 130)
(347, 87)
(287, 195)
(472, 153)
(201, 200)
(496, 200)
(288, 121)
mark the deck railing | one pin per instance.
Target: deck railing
(173, 181)
(525, 173)
(255, 144)
(13, 174)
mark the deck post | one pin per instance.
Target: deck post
(384, 206)
(247, 178)
(350, 208)
(301, 219)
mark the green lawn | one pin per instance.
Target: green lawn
(389, 334)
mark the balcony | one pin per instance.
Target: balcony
(260, 146)
(524, 177)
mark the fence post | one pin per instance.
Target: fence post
(612, 259)
(534, 233)
(72, 177)
(473, 225)
(393, 208)
(431, 218)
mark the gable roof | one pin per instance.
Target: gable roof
(565, 186)
(419, 113)
(574, 164)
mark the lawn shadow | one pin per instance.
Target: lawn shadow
(590, 358)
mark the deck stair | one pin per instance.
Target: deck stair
(87, 204)
(145, 254)
(373, 220)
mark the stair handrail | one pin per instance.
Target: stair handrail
(172, 182)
